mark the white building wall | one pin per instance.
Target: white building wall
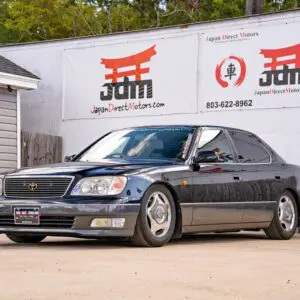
(42, 109)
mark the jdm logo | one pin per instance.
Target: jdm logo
(231, 72)
(283, 66)
(131, 67)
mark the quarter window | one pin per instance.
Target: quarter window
(216, 140)
(249, 148)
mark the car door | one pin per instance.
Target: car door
(261, 177)
(216, 199)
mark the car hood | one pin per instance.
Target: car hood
(90, 168)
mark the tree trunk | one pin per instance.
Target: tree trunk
(109, 20)
(157, 16)
(258, 6)
(254, 7)
(249, 7)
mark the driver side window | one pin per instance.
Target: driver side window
(215, 140)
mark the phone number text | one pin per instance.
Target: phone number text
(229, 104)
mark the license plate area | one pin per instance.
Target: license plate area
(27, 215)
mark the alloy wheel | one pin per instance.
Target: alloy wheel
(159, 214)
(286, 213)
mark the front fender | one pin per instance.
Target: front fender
(137, 187)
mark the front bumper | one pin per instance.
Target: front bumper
(81, 215)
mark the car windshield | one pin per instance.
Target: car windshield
(159, 143)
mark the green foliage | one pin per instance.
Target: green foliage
(35, 20)
(220, 9)
(279, 5)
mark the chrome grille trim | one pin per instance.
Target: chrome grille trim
(19, 193)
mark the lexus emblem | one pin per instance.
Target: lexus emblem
(32, 186)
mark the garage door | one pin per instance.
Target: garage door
(8, 130)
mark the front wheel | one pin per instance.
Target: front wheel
(285, 220)
(156, 220)
(26, 239)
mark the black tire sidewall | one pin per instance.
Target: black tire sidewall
(143, 221)
(286, 234)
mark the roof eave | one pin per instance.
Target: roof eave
(18, 82)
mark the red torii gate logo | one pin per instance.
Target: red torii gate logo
(283, 57)
(126, 89)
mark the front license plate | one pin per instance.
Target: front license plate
(27, 215)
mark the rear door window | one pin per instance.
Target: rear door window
(249, 148)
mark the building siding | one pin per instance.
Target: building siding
(8, 130)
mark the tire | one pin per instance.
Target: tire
(285, 220)
(157, 204)
(26, 239)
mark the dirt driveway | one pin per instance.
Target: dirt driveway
(232, 266)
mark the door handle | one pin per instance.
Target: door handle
(238, 178)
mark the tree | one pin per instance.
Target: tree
(279, 5)
(35, 20)
(221, 9)
(5, 33)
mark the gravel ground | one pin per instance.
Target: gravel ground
(224, 266)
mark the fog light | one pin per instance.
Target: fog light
(108, 222)
(118, 222)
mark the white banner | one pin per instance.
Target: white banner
(153, 77)
(258, 67)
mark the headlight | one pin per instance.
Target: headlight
(100, 186)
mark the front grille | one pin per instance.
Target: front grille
(36, 187)
(45, 222)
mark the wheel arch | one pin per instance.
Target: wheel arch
(297, 198)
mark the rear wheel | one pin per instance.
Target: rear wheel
(156, 221)
(284, 223)
(26, 239)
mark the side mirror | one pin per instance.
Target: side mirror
(206, 157)
(70, 158)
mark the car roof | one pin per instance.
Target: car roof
(186, 125)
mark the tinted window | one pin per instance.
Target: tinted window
(249, 148)
(216, 140)
(161, 143)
